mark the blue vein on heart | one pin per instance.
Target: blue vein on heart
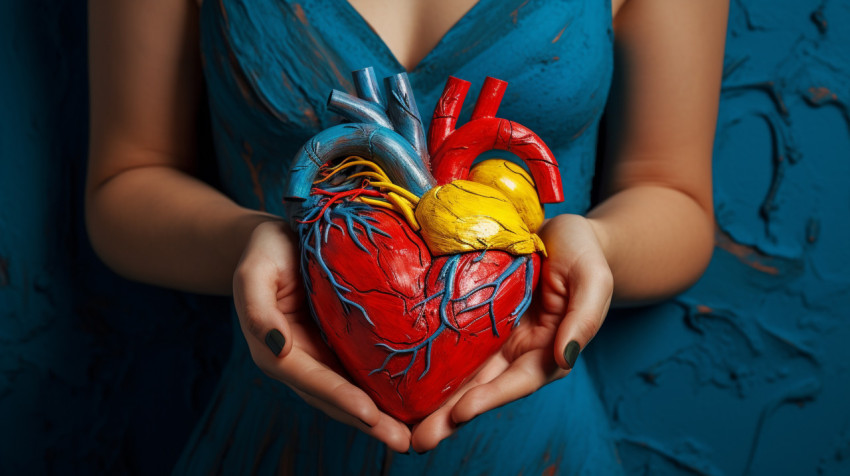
(314, 234)
(447, 279)
(312, 239)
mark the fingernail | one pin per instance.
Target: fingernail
(275, 341)
(571, 353)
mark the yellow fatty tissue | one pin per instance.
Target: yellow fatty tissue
(468, 216)
(513, 181)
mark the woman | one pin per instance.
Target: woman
(268, 63)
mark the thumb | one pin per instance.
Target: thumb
(255, 292)
(582, 298)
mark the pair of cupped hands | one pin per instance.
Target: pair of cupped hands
(572, 299)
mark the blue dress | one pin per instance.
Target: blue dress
(269, 66)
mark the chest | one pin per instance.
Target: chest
(411, 28)
(270, 64)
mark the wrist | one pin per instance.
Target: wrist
(234, 239)
(602, 236)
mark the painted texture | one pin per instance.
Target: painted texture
(746, 372)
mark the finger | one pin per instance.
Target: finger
(590, 291)
(305, 374)
(523, 377)
(440, 425)
(436, 427)
(393, 433)
(329, 391)
(255, 288)
(335, 396)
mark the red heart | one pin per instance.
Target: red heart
(416, 343)
(408, 327)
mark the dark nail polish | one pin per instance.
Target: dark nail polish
(275, 341)
(571, 353)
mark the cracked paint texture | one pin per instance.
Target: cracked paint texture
(747, 373)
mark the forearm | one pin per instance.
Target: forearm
(656, 226)
(657, 241)
(158, 225)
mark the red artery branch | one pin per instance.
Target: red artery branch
(445, 114)
(489, 98)
(453, 151)
(334, 196)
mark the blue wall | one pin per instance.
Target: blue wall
(97, 375)
(746, 372)
(749, 371)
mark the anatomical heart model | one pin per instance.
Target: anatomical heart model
(418, 264)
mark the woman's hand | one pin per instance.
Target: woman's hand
(285, 342)
(575, 293)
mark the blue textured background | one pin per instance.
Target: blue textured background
(748, 372)
(97, 375)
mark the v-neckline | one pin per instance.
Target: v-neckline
(364, 26)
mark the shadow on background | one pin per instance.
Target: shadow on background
(98, 375)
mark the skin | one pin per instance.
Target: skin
(151, 220)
